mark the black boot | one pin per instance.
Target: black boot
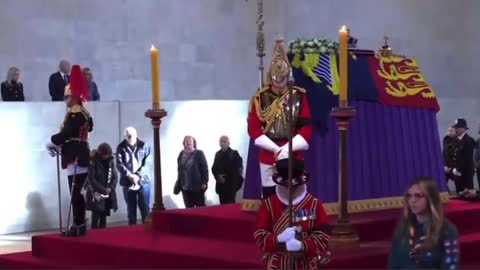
(76, 230)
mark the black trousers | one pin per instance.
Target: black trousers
(193, 198)
(227, 197)
(478, 177)
(99, 220)
(463, 182)
(459, 184)
(78, 202)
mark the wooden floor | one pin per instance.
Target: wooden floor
(10, 243)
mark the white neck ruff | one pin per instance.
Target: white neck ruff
(297, 196)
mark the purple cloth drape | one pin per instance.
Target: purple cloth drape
(388, 147)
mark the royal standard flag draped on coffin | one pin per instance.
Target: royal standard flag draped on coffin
(400, 83)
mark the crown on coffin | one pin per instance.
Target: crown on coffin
(386, 50)
(352, 41)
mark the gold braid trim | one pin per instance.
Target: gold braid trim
(275, 110)
(357, 206)
(251, 205)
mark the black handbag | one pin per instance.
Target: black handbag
(99, 205)
(239, 183)
(177, 188)
(92, 203)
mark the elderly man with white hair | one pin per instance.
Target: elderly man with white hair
(58, 81)
(134, 164)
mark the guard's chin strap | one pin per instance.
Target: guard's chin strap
(297, 196)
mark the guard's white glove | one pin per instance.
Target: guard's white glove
(287, 234)
(299, 143)
(294, 245)
(52, 149)
(266, 143)
(446, 169)
(456, 172)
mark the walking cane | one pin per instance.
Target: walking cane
(60, 219)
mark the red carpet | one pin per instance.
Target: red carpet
(219, 237)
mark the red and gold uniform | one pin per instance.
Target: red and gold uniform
(268, 116)
(309, 247)
(268, 120)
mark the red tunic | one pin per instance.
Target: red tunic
(256, 128)
(272, 219)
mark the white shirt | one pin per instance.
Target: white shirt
(64, 76)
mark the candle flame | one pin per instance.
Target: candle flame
(343, 29)
(152, 48)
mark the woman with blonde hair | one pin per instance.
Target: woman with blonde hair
(12, 88)
(424, 237)
(192, 178)
(92, 86)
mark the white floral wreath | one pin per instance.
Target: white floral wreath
(316, 45)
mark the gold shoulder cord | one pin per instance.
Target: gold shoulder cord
(273, 111)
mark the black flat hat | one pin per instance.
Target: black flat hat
(299, 176)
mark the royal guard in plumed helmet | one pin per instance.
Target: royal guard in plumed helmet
(304, 239)
(268, 120)
(72, 143)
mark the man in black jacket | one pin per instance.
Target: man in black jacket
(134, 164)
(227, 169)
(75, 150)
(449, 143)
(58, 81)
(463, 157)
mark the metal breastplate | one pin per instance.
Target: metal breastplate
(276, 127)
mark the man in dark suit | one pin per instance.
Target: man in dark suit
(463, 157)
(227, 169)
(58, 81)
